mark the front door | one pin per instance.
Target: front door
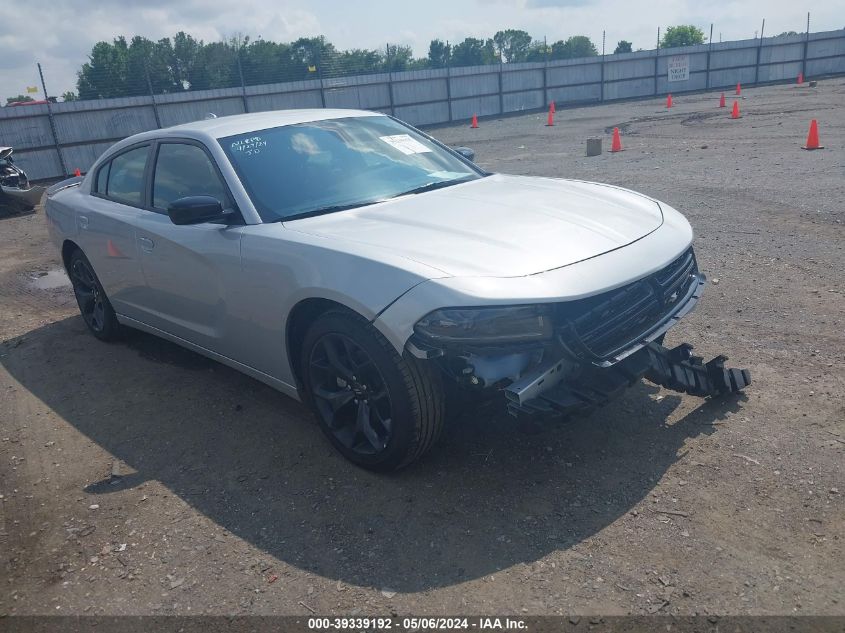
(190, 271)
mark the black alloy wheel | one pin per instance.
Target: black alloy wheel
(380, 409)
(350, 394)
(91, 298)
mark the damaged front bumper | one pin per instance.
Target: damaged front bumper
(601, 345)
(26, 198)
(562, 387)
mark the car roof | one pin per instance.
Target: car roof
(242, 123)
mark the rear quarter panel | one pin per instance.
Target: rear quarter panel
(60, 213)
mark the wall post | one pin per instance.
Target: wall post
(601, 81)
(709, 48)
(656, 57)
(501, 93)
(449, 80)
(390, 81)
(152, 96)
(243, 85)
(806, 45)
(52, 123)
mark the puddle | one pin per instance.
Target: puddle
(50, 280)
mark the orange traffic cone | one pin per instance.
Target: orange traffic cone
(738, 88)
(474, 121)
(552, 106)
(77, 173)
(813, 137)
(616, 145)
(722, 101)
(551, 120)
(669, 101)
(735, 111)
(800, 78)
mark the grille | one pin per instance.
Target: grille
(603, 326)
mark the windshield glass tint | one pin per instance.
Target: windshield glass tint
(322, 166)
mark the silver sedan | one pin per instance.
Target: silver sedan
(351, 261)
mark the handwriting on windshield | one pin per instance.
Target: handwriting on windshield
(249, 146)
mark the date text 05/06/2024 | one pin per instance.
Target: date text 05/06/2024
(416, 624)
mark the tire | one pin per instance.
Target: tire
(381, 411)
(92, 300)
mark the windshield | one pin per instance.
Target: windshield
(325, 166)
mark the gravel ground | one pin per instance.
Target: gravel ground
(139, 478)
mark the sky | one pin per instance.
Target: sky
(60, 35)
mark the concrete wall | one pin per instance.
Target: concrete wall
(82, 130)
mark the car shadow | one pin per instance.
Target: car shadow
(252, 460)
(8, 212)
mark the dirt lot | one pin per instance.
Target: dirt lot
(138, 478)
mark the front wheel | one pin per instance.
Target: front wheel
(381, 411)
(93, 303)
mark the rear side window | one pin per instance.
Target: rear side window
(185, 170)
(126, 177)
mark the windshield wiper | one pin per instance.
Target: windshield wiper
(430, 186)
(326, 210)
(437, 184)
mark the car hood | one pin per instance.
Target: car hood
(498, 226)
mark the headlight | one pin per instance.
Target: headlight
(509, 324)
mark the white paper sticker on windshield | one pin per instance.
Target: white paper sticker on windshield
(405, 144)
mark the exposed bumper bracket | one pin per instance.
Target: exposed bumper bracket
(548, 389)
(679, 370)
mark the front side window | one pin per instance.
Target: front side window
(325, 166)
(185, 170)
(126, 177)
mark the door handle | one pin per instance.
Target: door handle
(147, 245)
(83, 222)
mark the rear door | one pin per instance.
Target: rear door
(191, 272)
(106, 227)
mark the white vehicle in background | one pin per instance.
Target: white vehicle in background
(349, 260)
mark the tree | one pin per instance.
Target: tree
(538, 52)
(185, 52)
(19, 99)
(398, 58)
(786, 33)
(512, 45)
(70, 96)
(216, 67)
(474, 52)
(682, 35)
(358, 60)
(439, 54)
(574, 47)
(314, 52)
(624, 46)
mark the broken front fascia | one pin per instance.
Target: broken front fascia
(24, 197)
(562, 375)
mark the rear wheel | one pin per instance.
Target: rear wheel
(91, 298)
(379, 410)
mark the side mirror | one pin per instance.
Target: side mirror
(196, 210)
(466, 152)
